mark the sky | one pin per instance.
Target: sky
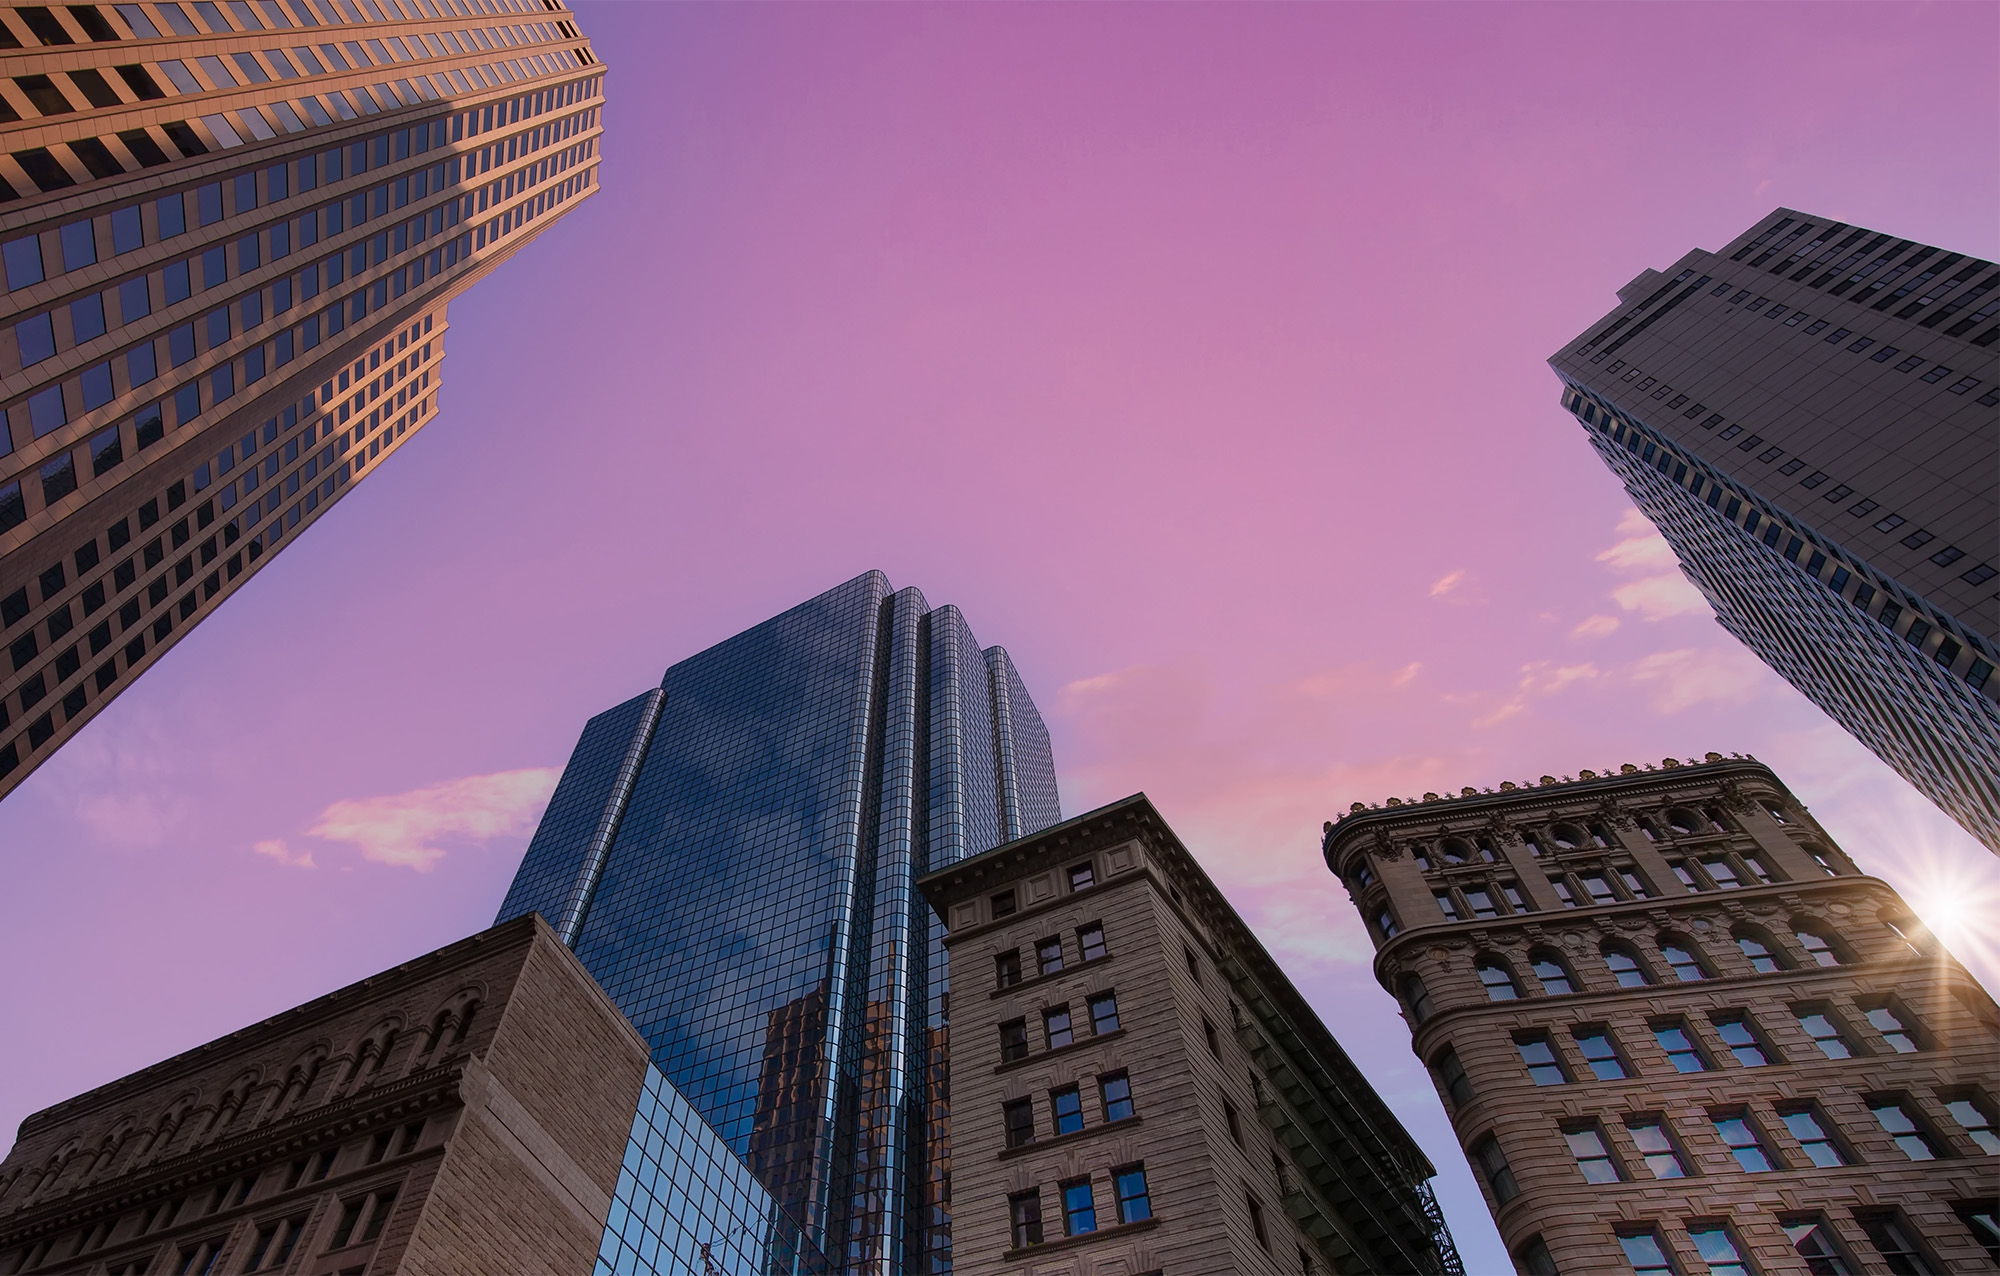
(1196, 352)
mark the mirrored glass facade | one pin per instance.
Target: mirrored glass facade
(741, 881)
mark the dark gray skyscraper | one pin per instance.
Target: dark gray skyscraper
(734, 857)
(1810, 415)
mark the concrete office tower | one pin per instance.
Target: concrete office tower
(1811, 416)
(231, 232)
(734, 857)
(1677, 1030)
(427, 1119)
(1139, 1089)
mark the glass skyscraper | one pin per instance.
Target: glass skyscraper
(733, 856)
(1811, 417)
(231, 233)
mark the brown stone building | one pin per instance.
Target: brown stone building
(230, 234)
(1678, 1031)
(463, 1112)
(1136, 1086)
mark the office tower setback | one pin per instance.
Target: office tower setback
(734, 855)
(425, 1120)
(1139, 1089)
(230, 236)
(1677, 1030)
(1811, 416)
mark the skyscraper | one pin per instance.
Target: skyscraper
(231, 232)
(1677, 1030)
(734, 857)
(1810, 416)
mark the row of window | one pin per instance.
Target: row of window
(1795, 547)
(1077, 1200)
(1114, 1095)
(1058, 1029)
(1049, 957)
(1650, 1143)
(47, 29)
(1897, 1029)
(1717, 1249)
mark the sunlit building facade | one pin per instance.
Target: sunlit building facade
(231, 233)
(1677, 1030)
(1811, 417)
(734, 856)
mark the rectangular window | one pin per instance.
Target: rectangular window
(1135, 1203)
(1593, 1155)
(1017, 1116)
(1817, 1022)
(1893, 1240)
(1024, 1215)
(1067, 1105)
(1806, 1125)
(1656, 1146)
(1717, 1247)
(1079, 1208)
(1646, 1254)
(1812, 1240)
(1056, 1027)
(1894, 1029)
(1049, 955)
(1090, 941)
(1740, 1137)
(1974, 1113)
(1600, 1052)
(1116, 1091)
(1909, 1136)
(1104, 1013)
(1538, 1053)
(1680, 1047)
(1013, 1040)
(1738, 1033)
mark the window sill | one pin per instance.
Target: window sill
(1051, 977)
(1072, 1242)
(1059, 1050)
(1063, 1140)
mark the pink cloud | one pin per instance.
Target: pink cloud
(403, 828)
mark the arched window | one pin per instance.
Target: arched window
(1625, 966)
(1817, 946)
(1681, 959)
(1569, 836)
(1554, 974)
(1907, 931)
(1417, 998)
(1763, 956)
(1499, 981)
(1683, 821)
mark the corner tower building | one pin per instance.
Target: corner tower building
(1811, 416)
(1677, 1030)
(231, 232)
(734, 857)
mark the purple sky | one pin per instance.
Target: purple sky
(1196, 352)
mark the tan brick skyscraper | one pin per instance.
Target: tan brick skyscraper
(1678, 1031)
(230, 233)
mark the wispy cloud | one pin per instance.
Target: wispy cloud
(277, 850)
(1689, 676)
(1658, 597)
(406, 829)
